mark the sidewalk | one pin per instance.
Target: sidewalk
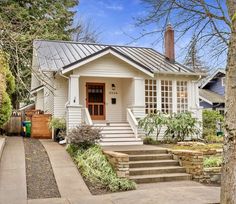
(12, 172)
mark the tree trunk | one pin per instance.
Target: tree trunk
(228, 180)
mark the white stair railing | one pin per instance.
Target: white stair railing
(86, 117)
(132, 122)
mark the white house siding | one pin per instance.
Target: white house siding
(39, 100)
(108, 66)
(48, 92)
(60, 96)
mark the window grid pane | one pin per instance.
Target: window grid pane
(182, 96)
(166, 96)
(150, 96)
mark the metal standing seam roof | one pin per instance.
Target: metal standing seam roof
(56, 55)
(211, 96)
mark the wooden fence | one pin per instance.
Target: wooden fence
(39, 124)
(39, 128)
(14, 125)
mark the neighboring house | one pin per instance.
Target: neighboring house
(92, 83)
(212, 91)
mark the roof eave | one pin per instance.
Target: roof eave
(212, 76)
(180, 73)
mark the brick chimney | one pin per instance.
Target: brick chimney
(169, 43)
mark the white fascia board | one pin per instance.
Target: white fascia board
(180, 73)
(200, 97)
(90, 59)
(36, 90)
(211, 77)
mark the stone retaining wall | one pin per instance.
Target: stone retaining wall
(192, 161)
(211, 175)
(120, 163)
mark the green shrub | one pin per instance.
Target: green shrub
(181, 125)
(209, 120)
(213, 161)
(213, 139)
(84, 136)
(57, 123)
(95, 167)
(153, 122)
(6, 109)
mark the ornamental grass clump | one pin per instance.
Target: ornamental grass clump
(95, 167)
(213, 161)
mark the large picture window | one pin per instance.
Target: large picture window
(182, 96)
(166, 96)
(150, 96)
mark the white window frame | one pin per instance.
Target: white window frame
(184, 105)
(165, 97)
(174, 95)
(151, 99)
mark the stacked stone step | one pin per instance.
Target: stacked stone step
(148, 166)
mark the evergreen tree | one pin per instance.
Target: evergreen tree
(22, 21)
(7, 88)
(192, 59)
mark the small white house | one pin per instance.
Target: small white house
(111, 85)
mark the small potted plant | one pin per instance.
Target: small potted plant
(58, 127)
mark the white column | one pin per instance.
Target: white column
(74, 90)
(174, 96)
(138, 107)
(74, 109)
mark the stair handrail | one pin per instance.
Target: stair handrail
(87, 117)
(132, 122)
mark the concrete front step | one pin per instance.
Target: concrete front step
(121, 143)
(156, 170)
(120, 139)
(112, 131)
(117, 135)
(150, 157)
(144, 151)
(160, 177)
(111, 125)
(116, 128)
(153, 163)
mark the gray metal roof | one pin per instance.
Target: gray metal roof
(211, 96)
(56, 55)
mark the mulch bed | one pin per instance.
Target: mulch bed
(40, 179)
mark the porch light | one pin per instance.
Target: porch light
(113, 87)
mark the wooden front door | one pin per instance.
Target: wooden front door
(95, 100)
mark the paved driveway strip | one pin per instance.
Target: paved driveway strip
(69, 181)
(12, 173)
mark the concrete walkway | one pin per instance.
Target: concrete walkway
(69, 181)
(74, 191)
(12, 172)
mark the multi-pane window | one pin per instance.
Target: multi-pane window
(182, 96)
(166, 96)
(150, 96)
